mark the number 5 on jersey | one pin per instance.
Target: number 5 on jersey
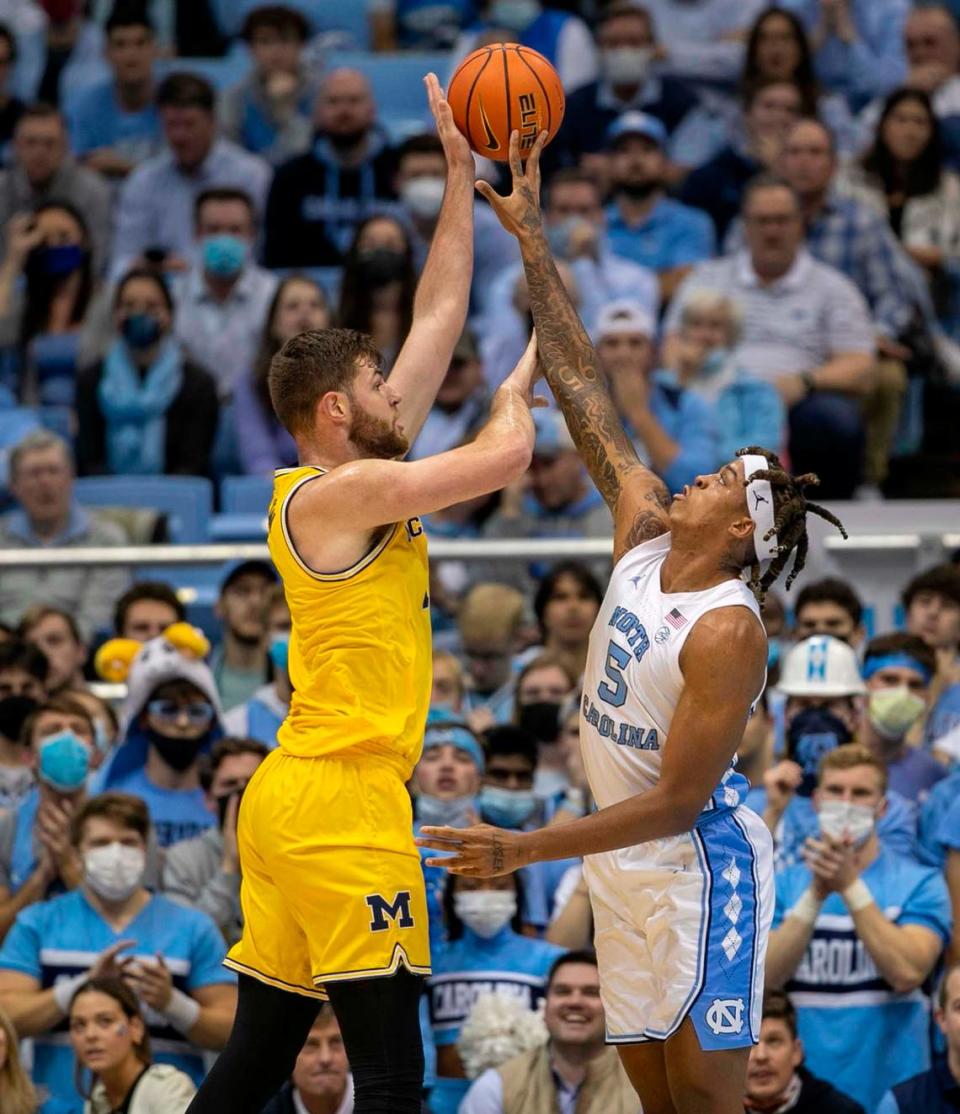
(617, 660)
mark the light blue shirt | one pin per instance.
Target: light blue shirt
(874, 63)
(687, 420)
(156, 203)
(62, 938)
(856, 1031)
(671, 235)
(176, 814)
(96, 119)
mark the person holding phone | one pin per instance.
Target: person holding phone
(204, 872)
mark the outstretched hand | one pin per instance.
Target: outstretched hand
(455, 146)
(519, 211)
(479, 852)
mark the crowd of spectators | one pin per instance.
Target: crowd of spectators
(756, 211)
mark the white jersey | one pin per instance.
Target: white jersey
(632, 681)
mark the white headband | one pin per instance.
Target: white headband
(760, 506)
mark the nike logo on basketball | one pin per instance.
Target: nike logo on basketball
(492, 142)
(758, 499)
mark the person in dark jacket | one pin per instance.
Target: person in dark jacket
(321, 1082)
(144, 410)
(776, 1078)
(318, 199)
(936, 1091)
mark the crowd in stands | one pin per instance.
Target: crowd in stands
(756, 210)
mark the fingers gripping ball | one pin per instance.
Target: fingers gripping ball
(503, 88)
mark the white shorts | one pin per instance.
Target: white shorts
(681, 927)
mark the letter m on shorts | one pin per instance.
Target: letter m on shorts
(382, 912)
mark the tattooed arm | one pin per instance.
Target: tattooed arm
(637, 497)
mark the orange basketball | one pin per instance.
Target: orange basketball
(502, 88)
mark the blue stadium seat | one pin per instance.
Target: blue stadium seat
(226, 528)
(246, 494)
(187, 501)
(397, 81)
(220, 72)
(345, 18)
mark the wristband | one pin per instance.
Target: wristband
(806, 908)
(64, 990)
(857, 896)
(182, 1011)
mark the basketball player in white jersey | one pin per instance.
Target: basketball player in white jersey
(680, 875)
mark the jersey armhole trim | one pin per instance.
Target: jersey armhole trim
(333, 577)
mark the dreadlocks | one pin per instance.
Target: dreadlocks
(790, 521)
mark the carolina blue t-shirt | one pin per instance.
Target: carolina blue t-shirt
(857, 1032)
(509, 964)
(95, 119)
(940, 820)
(672, 235)
(176, 814)
(61, 938)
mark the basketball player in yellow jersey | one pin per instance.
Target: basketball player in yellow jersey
(332, 894)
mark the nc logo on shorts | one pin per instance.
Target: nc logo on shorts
(383, 911)
(725, 1016)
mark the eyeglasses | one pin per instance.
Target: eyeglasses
(198, 714)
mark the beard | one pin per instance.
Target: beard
(375, 437)
(638, 191)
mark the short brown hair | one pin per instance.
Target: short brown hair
(227, 748)
(312, 363)
(778, 1007)
(944, 580)
(63, 703)
(124, 809)
(35, 615)
(850, 755)
(899, 642)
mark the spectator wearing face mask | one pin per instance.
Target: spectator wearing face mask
(938, 1088)
(484, 953)
(898, 669)
(23, 677)
(145, 409)
(824, 691)
(543, 687)
(420, 181)
(222, 301)
(204, 872)
(318, 198)
(561, 37)
(175, 967)
(268, 112)
(171, 716)
(37, 859)
(54, 631)
(629, 81)
(108, 1034)
(743, 409)
(260, 716)
(574, 222)
(776, 1077)
(857, 932)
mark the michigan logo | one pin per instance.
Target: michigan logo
(382, 912)
(725, 1016)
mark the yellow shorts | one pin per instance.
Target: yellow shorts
(332, 883)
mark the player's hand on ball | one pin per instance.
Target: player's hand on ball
(480, 852)
(455, 145)
(519, 211)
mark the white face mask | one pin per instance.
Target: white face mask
(894, 711)
(844, 820)
(626, 65)
(485, 911)
(423, 196)
(514, 15)
(115, 871)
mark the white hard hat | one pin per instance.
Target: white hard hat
(821, 666)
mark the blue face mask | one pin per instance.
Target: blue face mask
(224, 256)
(57, 260)
(141, 330)
(813, 733)
(514, 15)
(64, 762)
(506, 808)
(453, 813)
(280, 651)
(714, 361)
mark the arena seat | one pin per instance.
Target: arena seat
(397, 81)
(187, 501)
(246, 494)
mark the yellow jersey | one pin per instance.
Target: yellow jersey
(360, 648)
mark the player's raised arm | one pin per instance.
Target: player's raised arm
(443, 292)
(367, 493)
(637, 497)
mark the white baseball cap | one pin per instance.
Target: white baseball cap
(821, 666)
(624, 316)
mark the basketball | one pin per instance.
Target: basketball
(502, 88)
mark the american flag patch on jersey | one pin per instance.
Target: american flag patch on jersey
(675, 619)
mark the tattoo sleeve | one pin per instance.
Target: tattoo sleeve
(573, 372)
